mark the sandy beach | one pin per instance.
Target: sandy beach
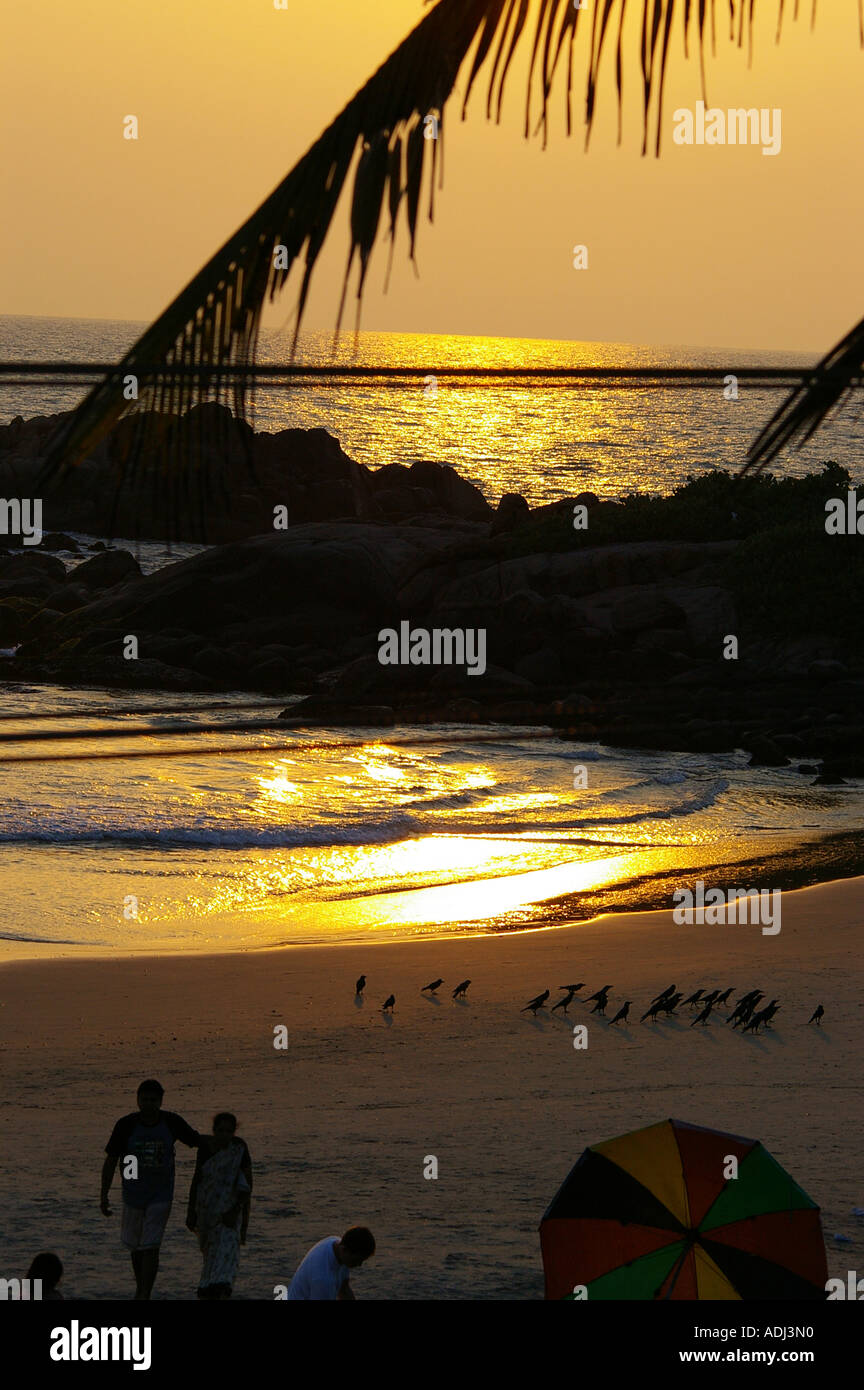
(340, 1124)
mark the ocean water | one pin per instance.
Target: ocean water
(543, 439)
(347, 835)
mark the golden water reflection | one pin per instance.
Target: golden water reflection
(517, 892)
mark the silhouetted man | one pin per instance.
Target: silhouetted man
(143, 1143)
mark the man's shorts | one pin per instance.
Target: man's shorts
(142, 1228)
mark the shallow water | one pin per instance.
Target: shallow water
(351, 835)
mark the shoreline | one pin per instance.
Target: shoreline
(824, 861)
(562, 929)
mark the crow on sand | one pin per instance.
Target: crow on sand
(651, 1012)
(623, 1012)
(602, 997)
(604, 991)
(755, 1022)
(665, 995)
(566, 999)
(536, 1004)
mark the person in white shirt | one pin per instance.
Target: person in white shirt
(324, 1272)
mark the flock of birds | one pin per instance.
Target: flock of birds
(748, 1014)
(433, 987)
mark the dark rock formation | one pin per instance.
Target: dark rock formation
(236, 483)
(616, 633)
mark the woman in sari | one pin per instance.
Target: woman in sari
(219, 1205)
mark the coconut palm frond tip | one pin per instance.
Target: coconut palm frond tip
(820, 395)
(214, 322)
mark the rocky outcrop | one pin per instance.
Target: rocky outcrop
(236, 482)
(620, 643)
(622, 640)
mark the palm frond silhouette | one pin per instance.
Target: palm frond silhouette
(214, 322)
(811, 403)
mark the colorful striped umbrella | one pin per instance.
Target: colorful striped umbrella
(655, 1215)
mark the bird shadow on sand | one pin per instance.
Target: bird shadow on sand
(622, 1028)
(536, 1022)
(822, 1033)
(463, 1003)
(705, 1031)
(764, 1038)
(388, 1020)
(359, 1001)
(756, 1040)
(432, 999)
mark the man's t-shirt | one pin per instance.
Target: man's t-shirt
(320, 1274)
(153, 1147)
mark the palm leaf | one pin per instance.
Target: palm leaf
(810, 404)
(213, 323)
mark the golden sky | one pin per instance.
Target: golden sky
(712, 246)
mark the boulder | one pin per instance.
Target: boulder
(105, 570)
(56, 540)
(709, 614)
(542, 668)
(29, 564)
(453, 493)
(34, 586)
(512, 511)
(272, 674)
(464, 711)
(765, 753)
(402, 502)
(15, 617)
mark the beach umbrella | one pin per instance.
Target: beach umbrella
(660, 1214)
